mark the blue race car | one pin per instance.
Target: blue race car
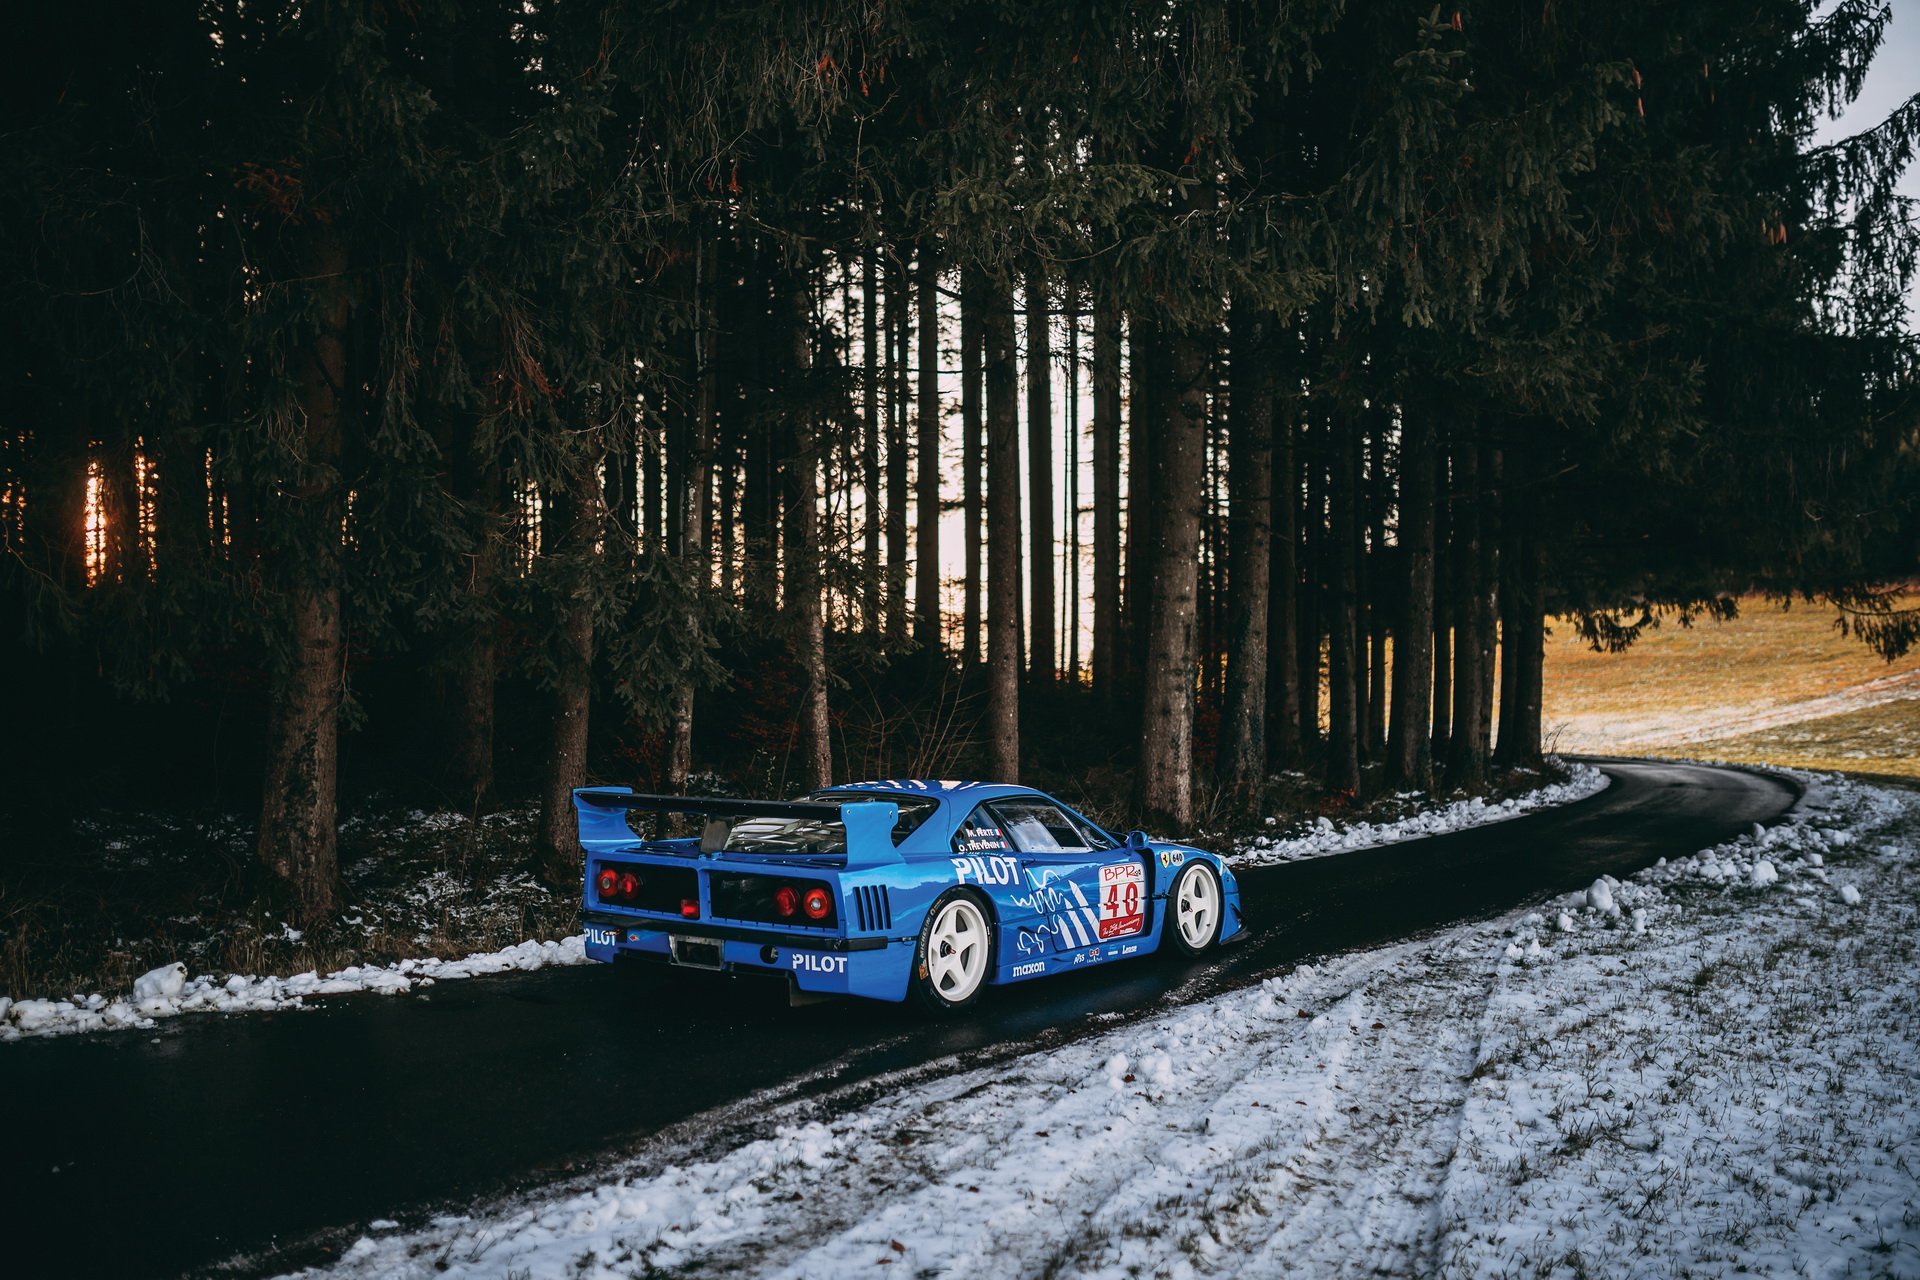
(892, 890)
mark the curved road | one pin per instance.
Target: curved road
(277, 1136)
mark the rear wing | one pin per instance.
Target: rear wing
(868, 823)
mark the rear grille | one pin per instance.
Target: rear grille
(872, 907)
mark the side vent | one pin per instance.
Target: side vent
(872, 907)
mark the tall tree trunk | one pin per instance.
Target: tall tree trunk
(1509, 627)
(726, 500)
(1166, 730)
(1466, 748)
(299, 833)
(1378, 618)
(467, 692)
(1243, 750)
(926, 555)
(803, 557)
(1523, 606)
(1362, 596)
(874, 374)
(1283, 640)
(1490, 535)
(1143, 408)
(1106, 492)
(567, 547)
(1409, 755)
(1070, 583)
(898, 308)
(1443, 570)
(1313, 550)
(653, 466)
(1040, 553)
(122, 556)
(972, 454)
(693, 486)
(1003, 533)
(1343, 640)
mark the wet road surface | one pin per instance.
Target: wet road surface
(271, 1135)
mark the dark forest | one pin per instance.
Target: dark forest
(473, 400)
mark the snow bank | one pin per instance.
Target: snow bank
(167, 991)
(1709, 1078)
(1324, 837)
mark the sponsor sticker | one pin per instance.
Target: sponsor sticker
(814, 962)
(1027, 970)
(986, 870)
(1171, 857)
(598, 936)
(1123, 891)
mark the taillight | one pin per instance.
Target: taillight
(629, 885)
(786, 901)
(690, 908)
(608, 881)
(819, 905)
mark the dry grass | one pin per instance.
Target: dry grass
(1783, 687)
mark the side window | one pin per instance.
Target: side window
(980, 832)
(1094, 836)
(1037, 826)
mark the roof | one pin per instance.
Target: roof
(939, 787)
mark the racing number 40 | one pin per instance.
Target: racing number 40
(1122, 888)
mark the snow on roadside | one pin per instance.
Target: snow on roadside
(1704, 1071)
(167, 991)
(1324, 837)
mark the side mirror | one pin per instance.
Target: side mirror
(1136, 839)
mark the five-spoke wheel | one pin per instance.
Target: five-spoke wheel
(955, 953)
(1196, 904)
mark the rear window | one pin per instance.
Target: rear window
(914, 810)
(785, 835)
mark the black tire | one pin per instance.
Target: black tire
(1173, 940)
(924, 987)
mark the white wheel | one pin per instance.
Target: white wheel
(956, 951)
(1196, 909)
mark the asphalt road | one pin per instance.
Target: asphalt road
(273, 1137)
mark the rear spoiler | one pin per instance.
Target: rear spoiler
(868, 823)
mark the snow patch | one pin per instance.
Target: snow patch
(1450, 1106)
(168, 992)
(1324, 837)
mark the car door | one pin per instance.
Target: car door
(1085, 894)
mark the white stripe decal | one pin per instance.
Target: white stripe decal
(1071, 927)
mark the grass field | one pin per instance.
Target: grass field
(1775, 686)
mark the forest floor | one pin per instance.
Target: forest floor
(1774, 686)
(1711, 1068)
(86, 928)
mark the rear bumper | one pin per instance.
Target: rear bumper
(872, 967)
